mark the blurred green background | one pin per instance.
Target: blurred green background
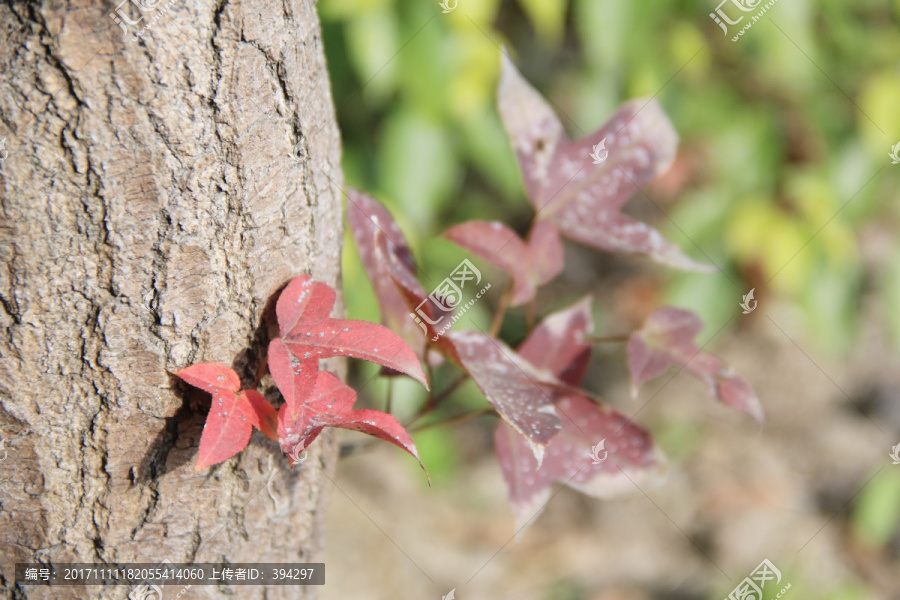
(780, 131)
(783, 178)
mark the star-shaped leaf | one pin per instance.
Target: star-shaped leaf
(628, 458)
(308, 334)
(331, 405)
(627, 452)
(232, 414)
(667, 339)
(565, 186)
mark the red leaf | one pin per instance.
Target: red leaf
(510, 384)
(629, 458)
(530, 265)
(309, 334)
(369, 221)
(294, 376)
(582, 198)
(557, 344)
(331, 405)
(303, 299)
(667, 338)
(211, 377)
(227, 430)
(259, 412)
(232, 413)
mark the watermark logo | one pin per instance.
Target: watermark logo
(150, 591)
(447, 296)
(723, 17)
(4, 453)
(146, 592)
(746, 304)
(449, 6)
(751, 588)
(125, 17)
(451, 595)
(895, 154)
(895, 454)
(596, 458)
(600, 153)
(4, 153)
(298, 455)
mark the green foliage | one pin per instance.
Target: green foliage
(777, 193)
(876, 517)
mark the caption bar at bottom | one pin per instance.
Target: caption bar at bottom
(170, 573)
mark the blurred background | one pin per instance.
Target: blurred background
(783, 180)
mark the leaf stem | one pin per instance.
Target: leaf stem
(260, 372)
(433, 401)
(390, 395)
(608, 338)
(451, 388)
(501, 310)
(529, 316)
(454, 419)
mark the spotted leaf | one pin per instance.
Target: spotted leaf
(558, 345)
(667, 339)
(625, 459)
(232, 414)
(380, 244)
(309, 334)
(331, 405)
(515, 388)
(581, 195)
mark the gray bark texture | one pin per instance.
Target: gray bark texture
(156, 195)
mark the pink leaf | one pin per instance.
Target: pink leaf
(331, 405)
(582, 198)
(510, 384)
(308, 335)
(232, 413)
(369, 221)
(667, 339)
(530, 264)
(533, 128)
(558, 345)
(627, 456)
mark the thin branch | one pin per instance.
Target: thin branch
(390, 395)
(260, 372)
(501, 310)
(455, 419)
(434, 401)
(608, 338)
(450, 389)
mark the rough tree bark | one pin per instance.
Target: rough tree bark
(151, 208)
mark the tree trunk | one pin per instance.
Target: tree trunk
(152, 206)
